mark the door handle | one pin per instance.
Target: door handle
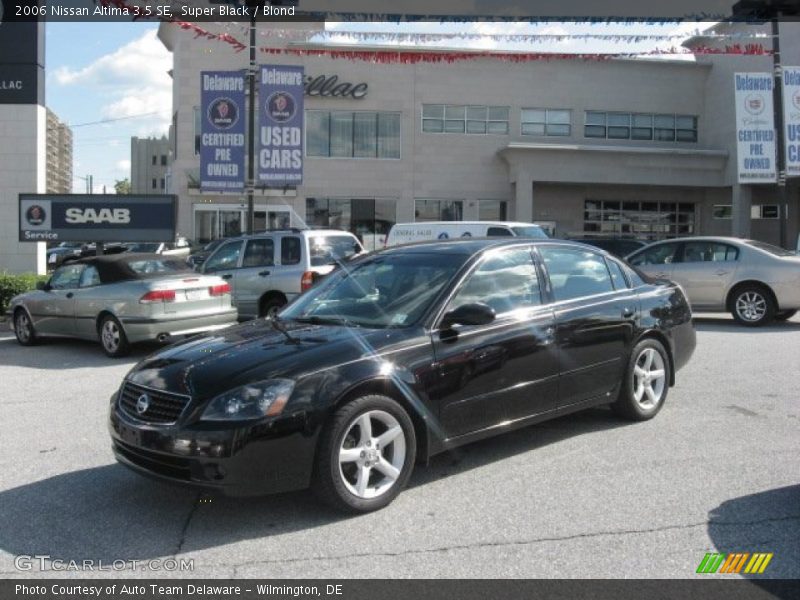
(263, 273)
(226, 276)
(721, 273)
(627, 312)
(70, 294)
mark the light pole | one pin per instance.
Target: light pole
(254, 6)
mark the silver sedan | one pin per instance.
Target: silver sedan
(754, 281)
(121, 299)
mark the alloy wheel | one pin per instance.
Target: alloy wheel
(751, 306)
(372, 454)
(649, 379)
(23, 327)
(110, 335)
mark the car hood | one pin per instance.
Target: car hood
(254, 351)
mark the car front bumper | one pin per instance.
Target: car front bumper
(142, 329)
(235, 459)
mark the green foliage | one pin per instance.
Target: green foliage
(11, 285)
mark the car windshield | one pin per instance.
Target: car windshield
(386, 290)
(530, 232)
(330, 249)
(152, 267)
(774, 250)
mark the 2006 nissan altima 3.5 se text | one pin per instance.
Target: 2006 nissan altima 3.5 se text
(400, 355)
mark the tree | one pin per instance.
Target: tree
(122, 186)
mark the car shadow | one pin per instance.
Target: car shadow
(66, 353)
(111, 513)
(767, 521)
(722, 324)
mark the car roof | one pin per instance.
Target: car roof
(474, 245)
(291, 230)
(114, 268)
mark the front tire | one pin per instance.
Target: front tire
(112, 338)
(646, 383)
(365, 455)
(753, 306)
(23, 328)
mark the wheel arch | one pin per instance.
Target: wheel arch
(747, 283)
(661, 337)
(269, 295)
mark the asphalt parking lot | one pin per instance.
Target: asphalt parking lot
(718, 470)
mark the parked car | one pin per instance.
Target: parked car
(620, 247)
(408, 352)
(754, 281)
(121, 299)
(195, 259)
(179, 248)
(57, 254)
(404, 233)
(268, 270)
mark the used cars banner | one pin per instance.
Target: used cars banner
(791, 119)
(222, 132)
(280, 140)
(96, 218)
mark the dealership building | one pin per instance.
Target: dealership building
(640, 147)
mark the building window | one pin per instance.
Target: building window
(459, 118)
(155, 159)
(492, 210)
(163, 160)
(163, 183)
(640, 126)
(340, 134)
(644, 220)
(765, 211)
(546, 121)
(722, 211)
(439, 210)
(155, 183)
(368, 219)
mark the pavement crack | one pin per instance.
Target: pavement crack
(511, 543)
(186, 523)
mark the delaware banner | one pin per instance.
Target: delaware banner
(222, 131)
(280, 139)
(755, 128)
(791, 119)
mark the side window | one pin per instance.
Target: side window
(259, 253)
(506, 281)
(617, 275)
(90, 277)
(499, 232)
(575, 273)
(661, 254)
(709, 252)
(227, 257)
(290, 250)
(67, 277)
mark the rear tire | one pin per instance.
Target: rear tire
(785, 315)
(23, 328)
(365, 455)
(270, 306)
(646, 383)
(752, 306)
(112, 338)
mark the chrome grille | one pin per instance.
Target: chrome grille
(162, 407)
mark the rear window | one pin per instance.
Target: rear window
(152, 267)
(774, 250)
(330, 249)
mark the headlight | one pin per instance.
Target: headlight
(251, 401)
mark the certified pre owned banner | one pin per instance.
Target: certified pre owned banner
(280, 139)
(96, 218)
(755, 128)
(222, 131)
(791, 119)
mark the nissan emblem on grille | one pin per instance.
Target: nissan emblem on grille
(142, 404)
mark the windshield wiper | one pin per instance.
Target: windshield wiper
(316, 320)
(278, 326)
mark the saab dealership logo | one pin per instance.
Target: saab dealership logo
(281, 106)
(796, 99)
(142, 404)
(35, 215)
(223, 113)
(82, 216)
(754, 104)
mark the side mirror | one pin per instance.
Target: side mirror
(469, 314)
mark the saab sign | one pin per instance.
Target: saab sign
(96, 218)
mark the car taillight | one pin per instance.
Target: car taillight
(158, 296)
(219, 290)
(307, 280)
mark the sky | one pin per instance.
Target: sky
(103, 71)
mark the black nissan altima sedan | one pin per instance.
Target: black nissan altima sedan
(400, 355)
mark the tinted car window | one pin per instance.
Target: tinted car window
(66, 277)
(506, 281)
(575, 273)
(531, 232)
(660, 254)
(709, 252)
(259, 253)
(144, 247)
(227, 257)
(617, 275)
(90, 277)
(290, 250)
(499, 232)
(328, 249)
